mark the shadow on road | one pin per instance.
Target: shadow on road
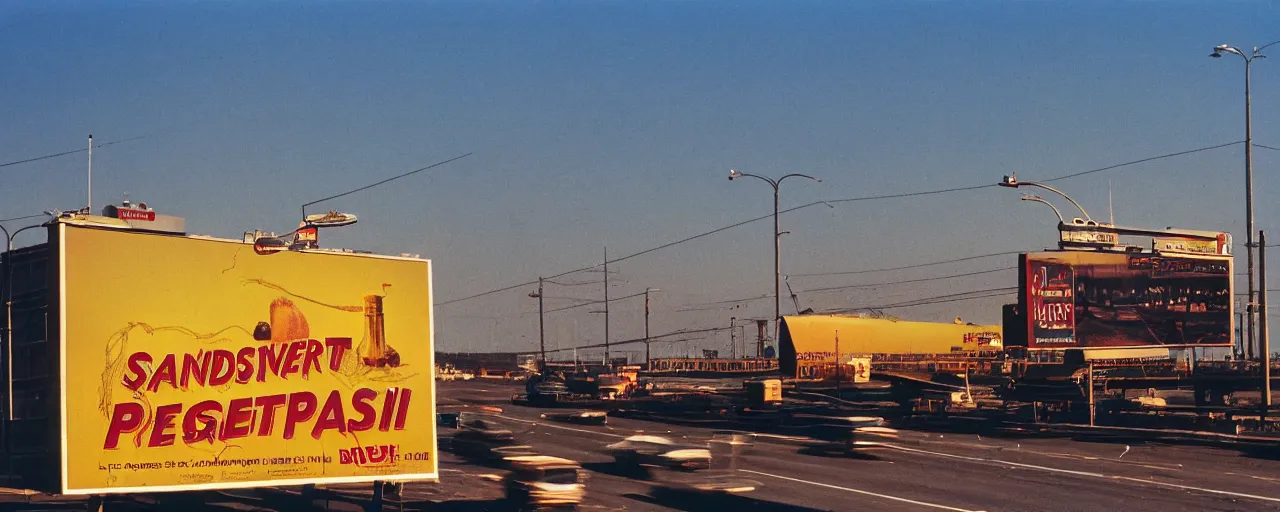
(462, 505)
(823, 451)
(618, 470)
(695, 502)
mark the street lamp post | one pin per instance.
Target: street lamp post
(1011, 181)
(1248, 172)
(8, 312)
(777, 242)
(1039, 199)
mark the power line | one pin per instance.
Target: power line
(939, 299)
(64, 153)
(1143, 160)
(920, 280)
(844, 287)
(919, 265)
(846, 200)
(651, 339)
(1265, 147)
(24, 217)
(597, 301)
(393, 178)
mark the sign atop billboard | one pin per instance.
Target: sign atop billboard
(1121, 299)
(1179, 245)
(140, 216)
(222, 368)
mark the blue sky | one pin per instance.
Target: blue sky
(614, 124)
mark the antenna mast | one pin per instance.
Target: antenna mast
(1110, 208)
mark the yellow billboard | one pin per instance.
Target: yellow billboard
(194, 363)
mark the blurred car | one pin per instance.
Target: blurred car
(485, 430)
(853, 434)
(484, 440)
(705, 485)
(581, 417)
(612, 387)
(658, 451)
(539, 481)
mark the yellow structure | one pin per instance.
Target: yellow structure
(193, 363)
(810, 340)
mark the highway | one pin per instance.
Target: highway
(925, 471)
(922, 471)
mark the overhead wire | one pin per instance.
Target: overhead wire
(845, 200)
(907, 267)
(393, 178)
(72, 152)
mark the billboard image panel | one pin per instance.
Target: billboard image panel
(194, 363)
(1051, 289)
(1112, 299)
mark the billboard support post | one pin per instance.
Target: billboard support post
(838, 363)
(1264, 336)
(1092, 405)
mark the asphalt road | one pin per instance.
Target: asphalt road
(925, 471)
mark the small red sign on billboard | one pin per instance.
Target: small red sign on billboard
(131, 214)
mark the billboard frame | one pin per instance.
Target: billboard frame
(59, 294)
(1024, 299)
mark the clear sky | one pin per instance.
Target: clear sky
(608, 123)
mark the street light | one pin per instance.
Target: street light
(1011, 181)
(1248, 170)
(1038, 199)
(8, 305)
(777, 242)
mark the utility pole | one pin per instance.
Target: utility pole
(647, 364)
(542, 333)
(1263, 335)
(733, 341)
(606, 305)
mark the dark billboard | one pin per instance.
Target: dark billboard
(1079, 299)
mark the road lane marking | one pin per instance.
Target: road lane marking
(859, 491)
(1088, 474)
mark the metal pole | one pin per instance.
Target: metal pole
(777, 268)
(733, 341)
(606, 305)
(647, 364)
(837, 363)
(1248, 200)
(1091, 405)
(90, 174)
(1263, 334)
(8, 322)
(542, 333)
